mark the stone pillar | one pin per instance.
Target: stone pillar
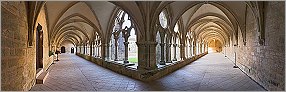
(126, 51)
(106, 49)
(168, 55)
(98, 49)
(201, 48)
(162, 62)
(116, 48)
(97, 46)
(79, 49)
(186, 51)
(97, 55)
(175, 47)
(94, 49)
(182, 48)
(146, 55)
(83, 47)
(194, 49)
(190, 51)
(90, 49)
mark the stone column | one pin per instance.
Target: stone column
(182, 51)
(194, 48)
(86, 48)
(186, 48)
(94, 49)
(116, 49)
(98, 49)
(162, 62)
(175, 47)
(79, 49)
(201, 48)
(190, 51)
(168, 56)
(90, 49)
(146, 55)
(83, 48)
(206, 49)
(116, 37)
(126, 51)
(97, 46)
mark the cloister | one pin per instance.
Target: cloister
(142, 45)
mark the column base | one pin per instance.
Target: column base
(125, 61)
(169, 62)
(174, 59)
(235, 66)
(162, 63)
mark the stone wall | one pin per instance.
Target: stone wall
(47, 60)
(265, 63)
(141, 75)
(18, 61)
(68, 46)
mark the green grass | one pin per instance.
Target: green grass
(133, 60)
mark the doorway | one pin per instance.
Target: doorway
(63, 49)
(39, 47)
(72, 50)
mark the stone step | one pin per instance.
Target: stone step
(41, 79)
(38, 72)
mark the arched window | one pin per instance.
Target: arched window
(161, 49)
(123, 39)
(176, 43)
(163, 19)
(158, 48)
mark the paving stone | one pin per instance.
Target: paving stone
(211, 72)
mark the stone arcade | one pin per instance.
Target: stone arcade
(147, 45)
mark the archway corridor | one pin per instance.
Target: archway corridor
(211, 72)
(142, 45)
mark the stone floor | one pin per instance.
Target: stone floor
(211, 72)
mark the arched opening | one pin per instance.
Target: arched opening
(158, 48)
(123, 40)
(132, 47)
(214, 46)
(39, 47)
(72, 50)
(63, 49)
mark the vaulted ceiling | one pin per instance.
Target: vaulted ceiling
(79, 22)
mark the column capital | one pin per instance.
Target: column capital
(168, 44)
(175, 45)
(126, 43)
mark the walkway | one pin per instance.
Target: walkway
(211, 72)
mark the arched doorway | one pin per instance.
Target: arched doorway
(72, 50)
(63, 49)
(39, 48)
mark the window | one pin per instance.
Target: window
(123, 39)
(163, 19)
